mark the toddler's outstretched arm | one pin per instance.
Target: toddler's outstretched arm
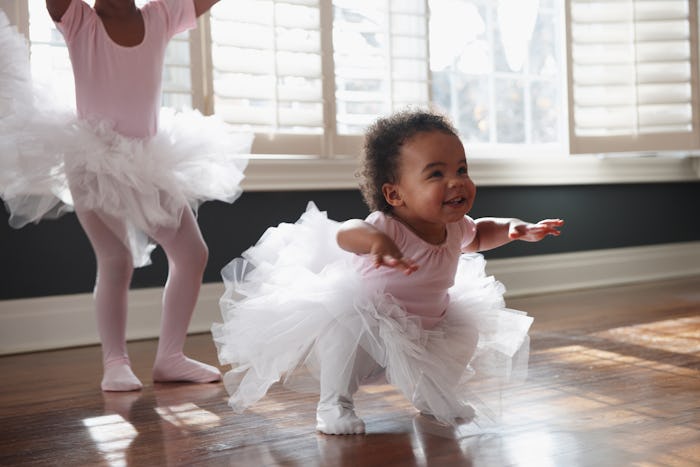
(359, 237)
(492, 232)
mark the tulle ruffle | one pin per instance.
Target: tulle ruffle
(52, 162)
(295, 297)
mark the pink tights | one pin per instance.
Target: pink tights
(187, 256)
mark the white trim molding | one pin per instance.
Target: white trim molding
(65, 321)
(531, 275)
(309, 173)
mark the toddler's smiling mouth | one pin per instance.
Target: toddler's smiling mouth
(455, 201)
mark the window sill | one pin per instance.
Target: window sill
(308, 173)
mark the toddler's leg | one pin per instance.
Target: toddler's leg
(114, 270)
(187, 256)
(461, 341)
(343, 366)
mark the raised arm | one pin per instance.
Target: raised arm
(359, 237)
(202, 6)
(57, 8)
(492, 232)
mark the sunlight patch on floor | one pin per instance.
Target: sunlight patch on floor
(188, 415)
(680, 335)
(601, 359)
(531, 449)
(112, 436)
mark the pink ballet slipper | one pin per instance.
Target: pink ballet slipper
(180, 368)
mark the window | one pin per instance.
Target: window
(495, 67)
(307, 76)
(274, 71)
(634, 74)
(49, 56)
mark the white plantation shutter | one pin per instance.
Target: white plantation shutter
(308, 76)
(633, 75)
(381, 59)
(176, 80)
(267, 76)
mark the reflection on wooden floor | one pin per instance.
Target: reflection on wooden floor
(614, 381)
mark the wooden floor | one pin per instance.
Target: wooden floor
(614, 381)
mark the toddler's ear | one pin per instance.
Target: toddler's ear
(391, 194)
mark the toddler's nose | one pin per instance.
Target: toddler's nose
(455, 182)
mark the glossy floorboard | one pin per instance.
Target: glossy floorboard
(614, 381)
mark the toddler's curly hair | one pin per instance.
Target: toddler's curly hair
(382, 149)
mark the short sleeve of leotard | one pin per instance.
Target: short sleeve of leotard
(77, 12)
(389, 226)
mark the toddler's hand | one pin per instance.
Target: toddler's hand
(386, 253)
(529, 232)
(406, 264)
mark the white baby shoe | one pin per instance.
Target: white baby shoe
(338, 419)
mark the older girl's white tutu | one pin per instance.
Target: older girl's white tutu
(51, 162)
(296, 286)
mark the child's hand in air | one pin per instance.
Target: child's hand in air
(386, 253)
(529, 232)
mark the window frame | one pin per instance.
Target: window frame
(298, 170)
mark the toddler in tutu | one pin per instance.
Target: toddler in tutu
(400, 295)
(132, 176)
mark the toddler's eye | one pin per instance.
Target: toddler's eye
(462, 171)
(436, 173)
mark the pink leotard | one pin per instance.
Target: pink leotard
(423, 293)
(122, 84)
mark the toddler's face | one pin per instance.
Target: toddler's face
(434, 185)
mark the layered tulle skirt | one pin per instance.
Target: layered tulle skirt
(51, 162)
(295, 306)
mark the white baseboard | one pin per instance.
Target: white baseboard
(596, 268)
(68, 320)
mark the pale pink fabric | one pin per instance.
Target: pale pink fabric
(122, 84)
(187, 256)
(423, 293)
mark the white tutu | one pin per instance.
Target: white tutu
(51, 162)
(296, 287)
